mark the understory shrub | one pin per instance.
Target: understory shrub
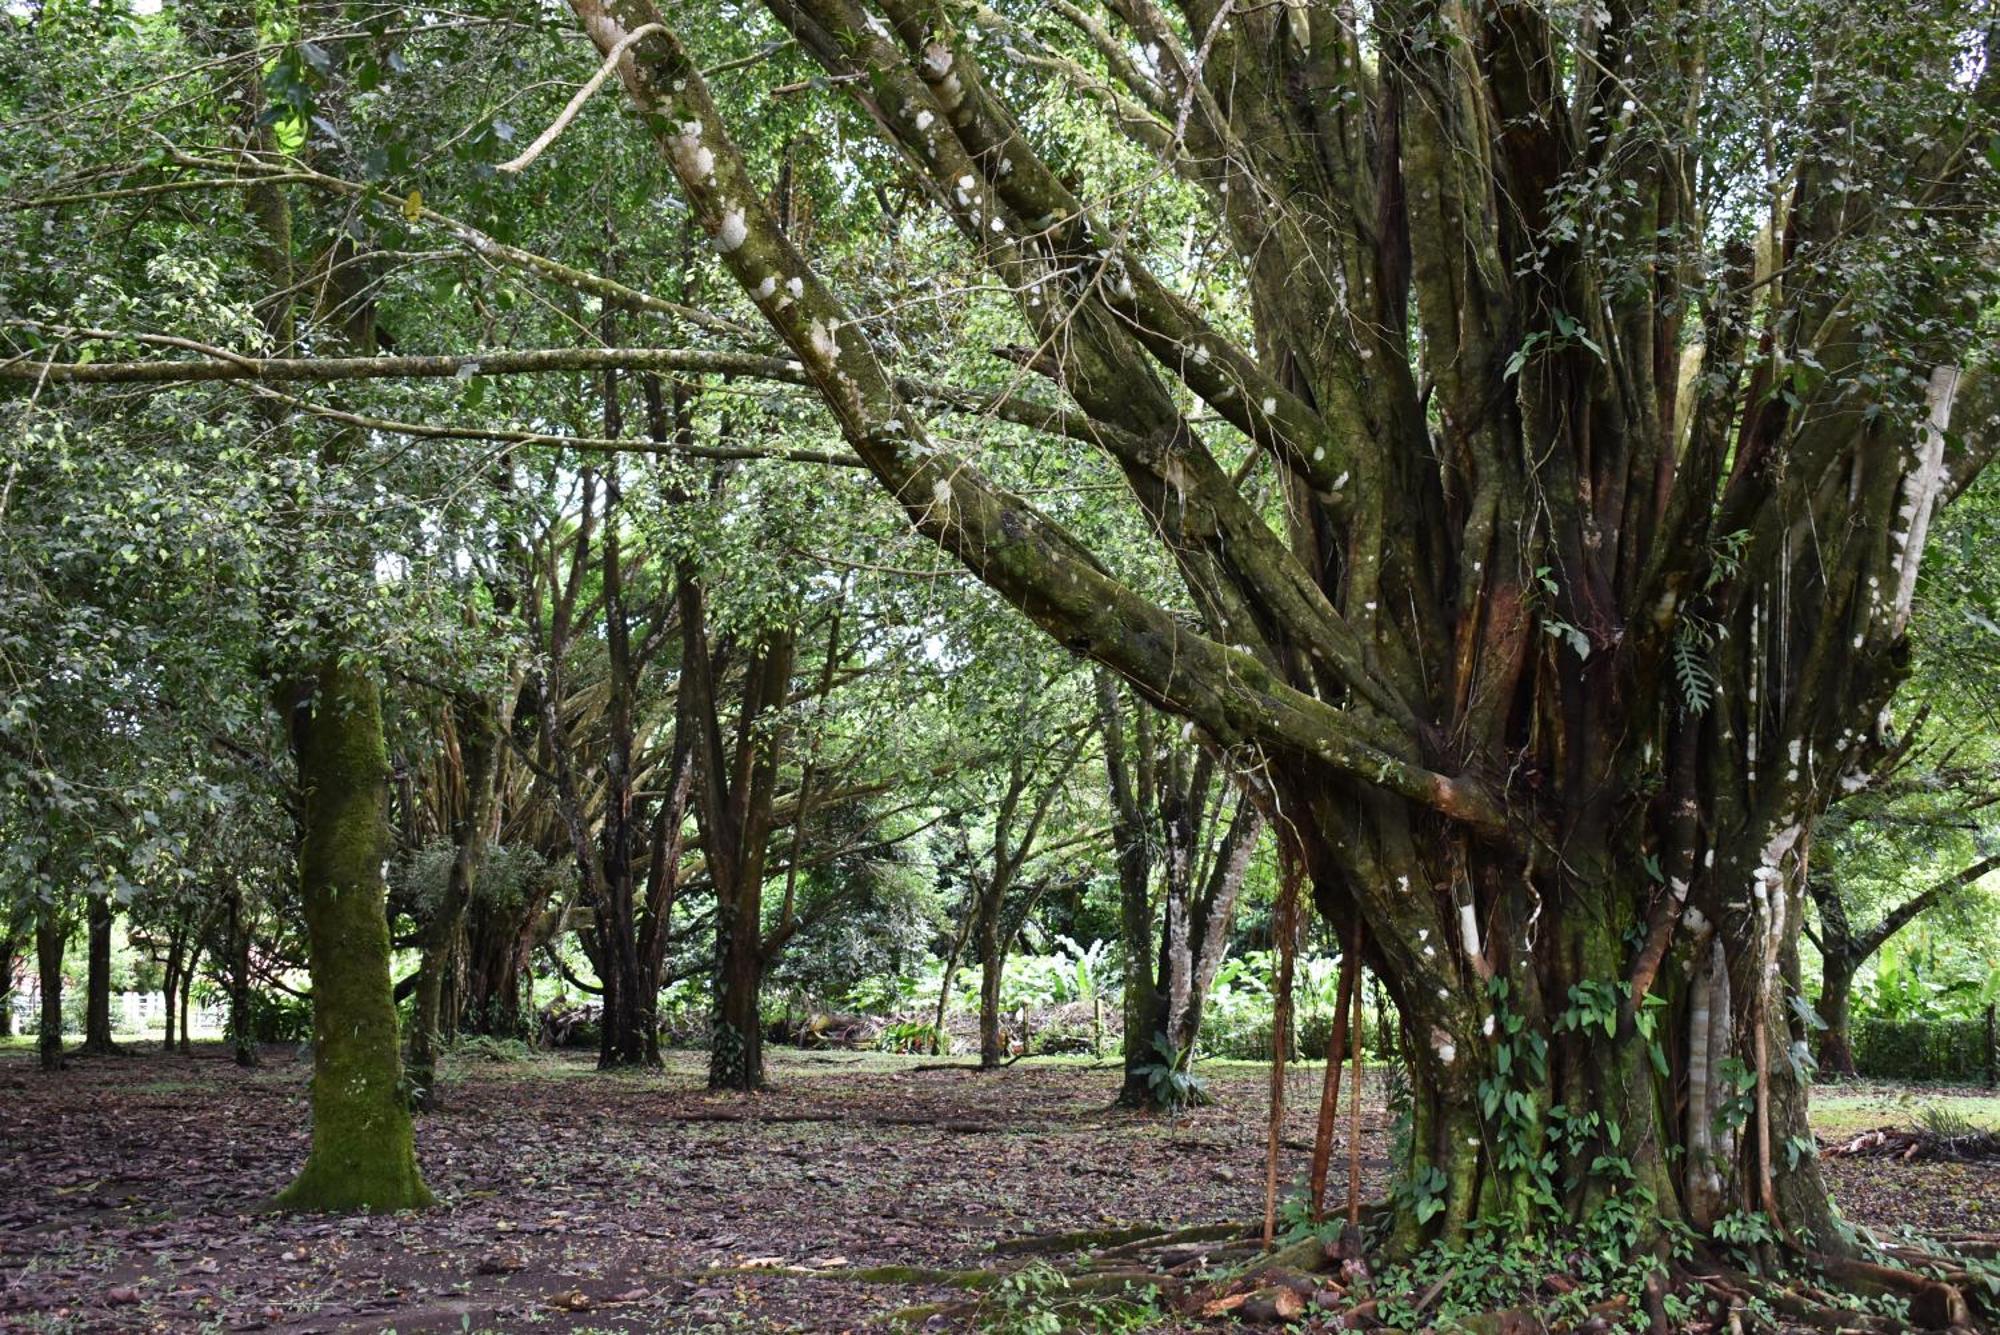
(1921, 1049)
(280, 1017)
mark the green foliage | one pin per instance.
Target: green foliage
(1443, 1286)
(1173, 1087)
(280, 1017)
(1744, 1229)
(1920, 1049)
(914, 1036)
(1038, 1299)
(498, 1051)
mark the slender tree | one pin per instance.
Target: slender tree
(1171, 806)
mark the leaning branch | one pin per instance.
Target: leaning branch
(1003, 539)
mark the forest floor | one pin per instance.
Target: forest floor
(131, 1189)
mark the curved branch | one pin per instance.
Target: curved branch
(1002, 539)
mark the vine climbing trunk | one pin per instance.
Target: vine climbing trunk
(363, 1154)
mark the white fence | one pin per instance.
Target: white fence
(131, 1012)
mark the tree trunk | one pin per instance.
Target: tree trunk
(169, 982)
(736, 1054)
(187, 995)
(363, 1155)
(475, 729)
(1146, 1006)
(243, 1043)
(1145, 1002)
(97, 985)
(10, 952)
(992, 948)
(735, 784)
(51, 934)
(1836, 1047)
(498, 941)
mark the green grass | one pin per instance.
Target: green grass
(1851, 1109)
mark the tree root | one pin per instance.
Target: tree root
(1219, 1272)
(1119, 1239)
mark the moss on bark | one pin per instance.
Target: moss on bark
(363, 1153)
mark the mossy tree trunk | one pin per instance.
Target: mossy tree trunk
(1836, 992)
(1173, 797)
(363, 1155)
(1126, 778)
(990, 943)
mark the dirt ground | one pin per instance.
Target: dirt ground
(131, 1190)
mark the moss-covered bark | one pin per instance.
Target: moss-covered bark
(363, 1155)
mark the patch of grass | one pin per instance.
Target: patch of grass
(1857, 1108)
(167, 1087)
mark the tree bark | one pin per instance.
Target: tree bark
(170, 982)
(194, 952)
(363, 1154)
(51, 935)
(242, 1043)
(97, 986)
(992, 963)
(1836, 1044)
(1145, 1002)
(10, 958)
(735, 785)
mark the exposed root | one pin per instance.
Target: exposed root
(1220, 1272)
(1127, 1239)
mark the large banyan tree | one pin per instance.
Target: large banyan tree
(1615, 358)
(1545, 454)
